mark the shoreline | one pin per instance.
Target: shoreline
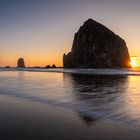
(24, 119)
(94, 72)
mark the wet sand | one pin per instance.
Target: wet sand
(27, 120)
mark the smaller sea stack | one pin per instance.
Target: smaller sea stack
(20, 63)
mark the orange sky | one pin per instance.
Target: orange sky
(41, 31)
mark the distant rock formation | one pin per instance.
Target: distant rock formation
(21, 63)
(95, 46)
(48, 66)
(7, 67)
(53, 66)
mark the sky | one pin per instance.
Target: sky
(40, 31)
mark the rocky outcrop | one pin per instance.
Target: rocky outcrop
(95, 46)
(48, 66)
(53, 66)
(21, 63)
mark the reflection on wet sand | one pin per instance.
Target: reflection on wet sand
(100, 94)
(89, 87)
(86, 119)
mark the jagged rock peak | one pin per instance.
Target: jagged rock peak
(90, 21)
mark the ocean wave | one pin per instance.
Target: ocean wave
(80, 71)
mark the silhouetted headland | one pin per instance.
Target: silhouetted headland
(21, 63)
(96, 46)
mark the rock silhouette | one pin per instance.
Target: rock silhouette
(48, 66)
(21, 63)
(53, 66)
(7, 66)
(95, 46)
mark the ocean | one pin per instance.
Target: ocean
(111, 95)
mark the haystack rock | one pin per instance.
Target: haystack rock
(95, 46)
(21, 63)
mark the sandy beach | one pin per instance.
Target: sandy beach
(22, 119)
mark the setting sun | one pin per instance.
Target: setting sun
(135, 61)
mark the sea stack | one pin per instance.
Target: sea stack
(96, 46)
(21, 63)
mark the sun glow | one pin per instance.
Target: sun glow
(135, 61)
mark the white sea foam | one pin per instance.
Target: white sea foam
(80, 71)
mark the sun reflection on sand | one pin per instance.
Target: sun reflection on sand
(133, 96)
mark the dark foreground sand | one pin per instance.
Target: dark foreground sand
(26, 120)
